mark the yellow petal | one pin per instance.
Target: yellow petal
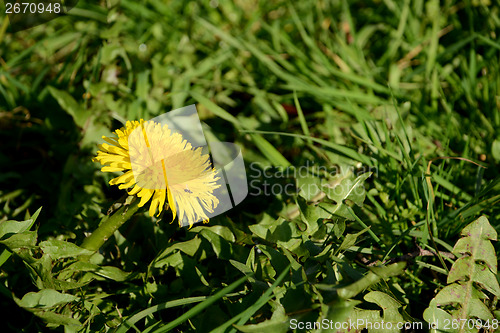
(158, 201)
(145, 195)
(113, 149)
(171, 204)
(135, 190)
(162, 201)
(111, 169)
(125, 178)
(113, 141)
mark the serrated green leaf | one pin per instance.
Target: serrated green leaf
(388, 304)
(480, 274)
(477, 244)
(472, 306)
(467, 274)
(437, 317)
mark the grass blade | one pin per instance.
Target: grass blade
(202, 306)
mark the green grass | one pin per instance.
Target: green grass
(379, 86)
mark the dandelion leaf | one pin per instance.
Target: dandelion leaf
(471, 279)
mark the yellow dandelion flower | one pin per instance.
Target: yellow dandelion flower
(160, 165)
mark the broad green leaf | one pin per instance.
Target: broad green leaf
(72, 107)
(222, 247)
(338, 312)
(355, 320)
(9, 228)
(348, 190)
(68, 285)
(360, 319)
(57, 319)
(220, 230)
(309, 187)
(241, 267)
(45, 298)
(23, 239)
(60, 249)
(251, 259)
(40, 269)
(109, 272)
(372, 277)
(174, 259)
(112, 273)
(390, 270)
(259, 230)
(350, 239)
(278, 260)
(188, 247)
(278, 323)
(311, 215)
(338, 226)
(80, 266)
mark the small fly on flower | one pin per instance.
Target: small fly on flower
(187, 190)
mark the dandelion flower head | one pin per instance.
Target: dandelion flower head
(160, 165)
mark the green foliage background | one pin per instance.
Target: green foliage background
(383, 92)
